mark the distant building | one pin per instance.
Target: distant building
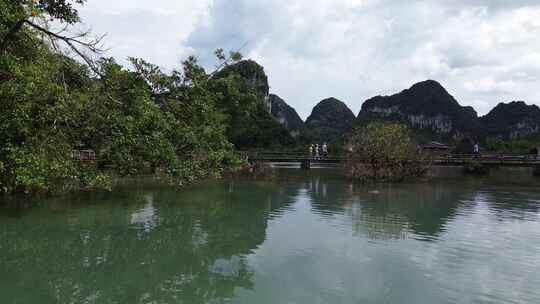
(436, 147)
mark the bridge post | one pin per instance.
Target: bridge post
(305, 164)
(536, 170)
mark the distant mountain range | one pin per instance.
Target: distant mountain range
(427, 107)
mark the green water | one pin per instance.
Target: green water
(304, 238)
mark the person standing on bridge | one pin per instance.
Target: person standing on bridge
(476, 149)
(311, 150)
(317, 151)
(325, 150)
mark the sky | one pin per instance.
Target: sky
(482, 51)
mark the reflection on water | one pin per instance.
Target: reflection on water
(308, 237)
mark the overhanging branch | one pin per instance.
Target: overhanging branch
(75, 43)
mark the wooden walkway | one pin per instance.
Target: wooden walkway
(305, 160)
(490, 160)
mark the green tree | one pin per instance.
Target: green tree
(242, 88)
(384, 152)
(178, 125)
(517, 145)
(37, 92)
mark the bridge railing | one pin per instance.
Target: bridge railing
(489, 157)
(266, 155)
(448, 158)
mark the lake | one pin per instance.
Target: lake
(305, 237)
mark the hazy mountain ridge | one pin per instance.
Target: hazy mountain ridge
(286, 115)
(427, 107)
(433, 114)
(330, 121)
(511, 120)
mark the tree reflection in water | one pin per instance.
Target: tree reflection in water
(216, 242)
(398, 211)
(137, 247)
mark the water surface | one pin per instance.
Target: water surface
(308, 237)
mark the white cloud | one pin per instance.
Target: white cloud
(154, 30)
(482, 51)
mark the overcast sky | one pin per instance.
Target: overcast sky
(484, 52)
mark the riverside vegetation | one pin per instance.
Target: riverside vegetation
(185, 125)
(385, 152)
(178, 124)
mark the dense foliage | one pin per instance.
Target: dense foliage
(527, 145)
(244, 90)
(475, 167)
(179, 125)
(383, 152)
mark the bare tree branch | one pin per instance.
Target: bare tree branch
(75, 43)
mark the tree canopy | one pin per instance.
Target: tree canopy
(384, 152)
(179, 125)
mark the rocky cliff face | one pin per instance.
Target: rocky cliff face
(281, 112)
(250, 123)
(330, 121)
(511, 120)
(254, 75)
(286, 115)
(427, 108)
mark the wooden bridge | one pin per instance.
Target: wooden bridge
(305, 160)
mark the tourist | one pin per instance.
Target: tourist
(325, 150)
(311, 150)
(317, 151)
(476, 149)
